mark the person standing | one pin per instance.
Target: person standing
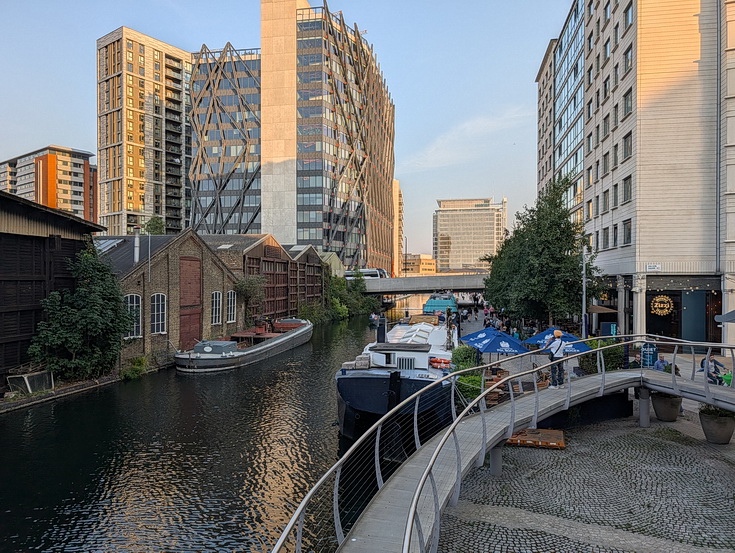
(555, 345)
(636, 363)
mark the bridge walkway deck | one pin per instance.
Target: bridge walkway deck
(381, 526)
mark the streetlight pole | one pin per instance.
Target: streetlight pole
(584, 294)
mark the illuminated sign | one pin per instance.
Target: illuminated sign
(662, 305)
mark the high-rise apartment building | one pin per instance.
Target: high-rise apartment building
(143, 131)
(657, 163)
(466, 230)
(54, 176)
(397, 228)
(296, 139)
(546, 148)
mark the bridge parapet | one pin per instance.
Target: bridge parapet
(425, 284)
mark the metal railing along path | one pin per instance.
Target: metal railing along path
(402, 510)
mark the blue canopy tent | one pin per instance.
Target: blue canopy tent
(544, 336)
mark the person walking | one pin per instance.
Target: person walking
(556, 354)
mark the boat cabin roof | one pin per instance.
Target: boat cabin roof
(215, 346)
(399, 346)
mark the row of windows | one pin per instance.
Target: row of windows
(158, 307)
(593, 209)
(612, 239)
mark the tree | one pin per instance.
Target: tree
(81, 334)
(536, 272)
(250, 290)
(154, 226)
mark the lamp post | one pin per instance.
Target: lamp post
(584, 293)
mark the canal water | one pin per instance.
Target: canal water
(175, 462)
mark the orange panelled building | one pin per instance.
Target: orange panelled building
(56, 177)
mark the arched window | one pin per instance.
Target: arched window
(158, 314)
(132, 302)
(231, 306)
(216, 308)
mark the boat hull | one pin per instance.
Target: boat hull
(362, 400)
(191, 363)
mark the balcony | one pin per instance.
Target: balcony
(173, 116)
(173, 138)
(174, 160)
(173, 63)
(173, 149)
(173, 171)
(173, 105)
(173, 127)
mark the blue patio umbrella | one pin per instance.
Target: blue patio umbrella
(482, 333)
(495, 342)
(544, 336)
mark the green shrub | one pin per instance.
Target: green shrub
(464, 357)
(469, 385)
(138, 366)
(613, 357)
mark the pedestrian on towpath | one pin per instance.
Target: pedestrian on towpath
(555, 346)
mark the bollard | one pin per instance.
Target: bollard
(644, 407)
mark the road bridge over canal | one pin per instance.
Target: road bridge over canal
(425, 284)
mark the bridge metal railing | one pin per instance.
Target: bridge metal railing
(324, 517)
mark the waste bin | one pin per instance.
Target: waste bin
(649, 355)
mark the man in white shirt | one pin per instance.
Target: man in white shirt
(556, 353)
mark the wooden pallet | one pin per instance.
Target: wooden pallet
(538, 437)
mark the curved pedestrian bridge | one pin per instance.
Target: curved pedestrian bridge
(405, 512)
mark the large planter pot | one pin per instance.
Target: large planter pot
(717, 430)
(666, 408)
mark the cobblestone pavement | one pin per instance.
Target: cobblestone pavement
(616, 488)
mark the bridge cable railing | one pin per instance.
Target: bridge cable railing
(425, 512)
(327, 512)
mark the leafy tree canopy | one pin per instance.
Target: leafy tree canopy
(154, 226)
(81, 335)
(536, 273)
(250, 291)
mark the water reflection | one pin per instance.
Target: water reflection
(175, 462)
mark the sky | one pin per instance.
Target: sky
(461, 75)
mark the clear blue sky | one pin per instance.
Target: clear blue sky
(461, 75)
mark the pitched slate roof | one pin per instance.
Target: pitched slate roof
(240, 242)
(120, 250)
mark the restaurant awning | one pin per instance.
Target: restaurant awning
(600, 309)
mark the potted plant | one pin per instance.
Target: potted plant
(666, 406)
(717, 423)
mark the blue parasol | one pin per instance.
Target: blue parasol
(494, 341)
(544, 336)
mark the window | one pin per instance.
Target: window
(628, 59)
(590, 41)
(605, 238)
(616, 75)
(615, 115)
(597, 98)
(608, 11)
(615, 155)
(589, 143)
(628, 15)
(588, 211)
(606, 163)
(158, 314)
(132, 302)
(627, 189)
(606, 126)
(597, 134)
(590, 8)
(589, 177)
(627, 232)
(597, 205)
(628, 145)
(605, 201)
(589, 109)
(606, 88)
(628, 102)
(615, 197)
(597, 239)
(615, 236)
(216, 308)
(590, 76)
(616, 34)
(231, 306)
(607, 48)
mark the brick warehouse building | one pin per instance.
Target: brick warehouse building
(182, 286)
(35, 244)
(181, 291)
(291, 279)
